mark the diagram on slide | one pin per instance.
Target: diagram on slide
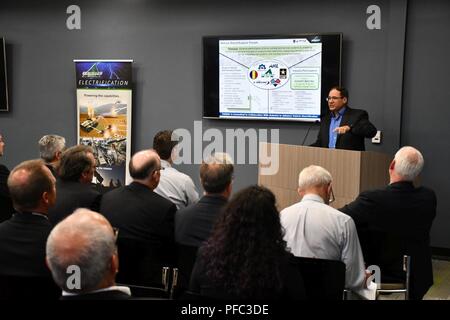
(270, 78)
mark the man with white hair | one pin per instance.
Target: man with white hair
(82, 256)
(396, 221)
(51, 147)
(313, 229)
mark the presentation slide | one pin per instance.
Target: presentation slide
(270, 79)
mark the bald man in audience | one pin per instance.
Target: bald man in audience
(83, 259)
(145, 220)
(396, 221)
(6, 208)
(23, 236)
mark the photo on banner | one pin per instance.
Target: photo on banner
(104, 97)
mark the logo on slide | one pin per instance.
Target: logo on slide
(272, 77)
(253, 74)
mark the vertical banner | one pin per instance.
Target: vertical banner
(104, 116)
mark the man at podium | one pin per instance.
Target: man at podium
(343, 127)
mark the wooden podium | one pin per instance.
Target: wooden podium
(352, 172)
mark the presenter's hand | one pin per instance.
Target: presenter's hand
(342, 130)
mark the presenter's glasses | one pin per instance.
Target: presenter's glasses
(333, 98)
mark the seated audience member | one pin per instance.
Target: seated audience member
(146, 222)
(396, 221)
(246, 256)
(313, 229)
(6, 208)
(23, 236)
(173, 185)
(83, 246)
(75, 173)
(51, 147)
(194, 224)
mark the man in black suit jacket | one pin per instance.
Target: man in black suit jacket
(193, 225)
(23, 237)
(396, 221)
(76, 170)
(82, 255)
(343, 127)
(6, 208)
(145, 220)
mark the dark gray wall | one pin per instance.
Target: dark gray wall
(426, 112)
(164, 39)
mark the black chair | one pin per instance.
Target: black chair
(147, 293)
(18, 287)
(186, 256)
(323, 279)
(403, 258)
(192, 296)
(398, 287)
(142, 263)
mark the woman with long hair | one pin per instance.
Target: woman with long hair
(246, 256)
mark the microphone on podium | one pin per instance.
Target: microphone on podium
(307, 132)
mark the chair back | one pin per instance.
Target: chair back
(18, 287)
(186, 256)
(141, 263)
(323, 279)
(398, 287)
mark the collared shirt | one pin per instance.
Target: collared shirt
(176, 186)
(316, 230)
(123, 289)
(335, 122)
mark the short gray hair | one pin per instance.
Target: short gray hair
(216, 172)
(91, 251)
(49, 145)
(408, 163)
(313, 176)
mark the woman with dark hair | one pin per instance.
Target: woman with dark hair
(246, 257)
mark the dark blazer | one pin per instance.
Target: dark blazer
(22, 245)
(139, 213)
(71, 195)
(392, 222)
(292, 283)
(6, 207)
(102, 295)
(193, 224)
(357, 120)
(146, 231)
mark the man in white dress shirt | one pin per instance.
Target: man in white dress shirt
(173, 184)
(313, 229)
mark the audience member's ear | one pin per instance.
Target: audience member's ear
(300, 192)
(58, 155)
(115, 263)
(392, 165)
(47, 263)
(46, 197)
(84, 175)
(230, 187)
